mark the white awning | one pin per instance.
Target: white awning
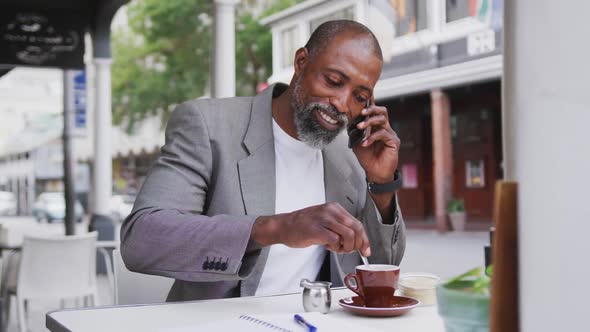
(41, 131)
(147, 137)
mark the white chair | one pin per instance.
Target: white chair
(138, 288)
(10, 261)
(59, 267)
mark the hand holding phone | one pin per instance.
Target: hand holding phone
(355, 135)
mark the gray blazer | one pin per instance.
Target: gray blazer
(215, 175)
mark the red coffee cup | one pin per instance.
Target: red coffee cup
(374, 283)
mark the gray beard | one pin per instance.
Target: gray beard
(309, 130)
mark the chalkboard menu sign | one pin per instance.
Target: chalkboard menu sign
(43, 39)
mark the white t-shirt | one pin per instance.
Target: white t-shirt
(299, 184)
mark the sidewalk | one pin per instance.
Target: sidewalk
(445, 255)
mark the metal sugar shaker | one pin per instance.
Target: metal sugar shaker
(317, 295)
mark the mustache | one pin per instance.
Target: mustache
(327, 108)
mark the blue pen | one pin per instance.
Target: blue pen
(301, 321)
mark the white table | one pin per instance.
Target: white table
(155, 317)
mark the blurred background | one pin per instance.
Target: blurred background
(86, 89)
(441, 82)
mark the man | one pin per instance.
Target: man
(252, 194)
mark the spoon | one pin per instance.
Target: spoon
(363, 258)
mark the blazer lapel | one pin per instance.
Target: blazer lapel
(339, 189)
(257, 175)
(257, 171)
(337, 179)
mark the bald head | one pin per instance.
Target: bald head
(328, 31)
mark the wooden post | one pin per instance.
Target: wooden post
(504, 294)
(442, 156)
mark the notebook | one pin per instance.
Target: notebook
(274, 323)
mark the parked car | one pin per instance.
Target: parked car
(121, 206)
(51, 206)
(7, 203)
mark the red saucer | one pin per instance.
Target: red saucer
(399, 305)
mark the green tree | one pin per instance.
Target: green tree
(164, 58)
(254, 45)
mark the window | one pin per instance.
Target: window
(405, 16)
(459, 9)
(410, 176)
(453, 127)
(411, 16)
(342, 14)
(288, 46)
(474, 174)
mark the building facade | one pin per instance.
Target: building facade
(441, 84)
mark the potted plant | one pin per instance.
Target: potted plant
(456, 212)
(464, 302)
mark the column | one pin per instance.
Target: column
(13, 175)
(102, 184)
(68, 158)
(22, 195)
(31, 190)
(442, 156)
(15, 183)
(546, 113)
(224, 50)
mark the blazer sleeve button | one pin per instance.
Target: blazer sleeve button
(206, 264)
(224, 264)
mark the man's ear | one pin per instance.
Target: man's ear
(301, 59)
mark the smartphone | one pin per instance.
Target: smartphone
(355, 135)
